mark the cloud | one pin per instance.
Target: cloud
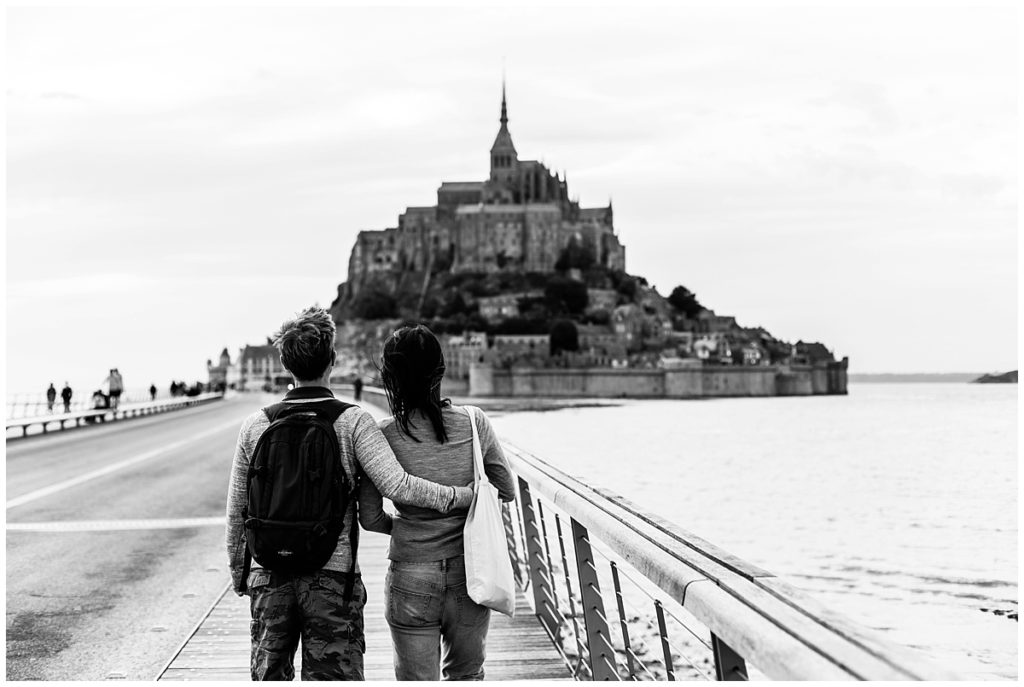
(870, 100)
(62, 95)
(748, 153)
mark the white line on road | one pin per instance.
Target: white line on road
(75, 481)
(114, 525)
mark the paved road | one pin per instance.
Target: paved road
(115, 541)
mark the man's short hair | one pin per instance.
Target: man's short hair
(306, 343)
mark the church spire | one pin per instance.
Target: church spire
(503, 153)
(504, 107)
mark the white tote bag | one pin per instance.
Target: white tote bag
(489, 579)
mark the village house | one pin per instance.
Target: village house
(260, 367)
(522, 344)
(600, 341)
(709, 322)
(807, 353)
(713, 347)
(461, 351)
(503, 306)
(602, 299)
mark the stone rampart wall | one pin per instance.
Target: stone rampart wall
(795, 380)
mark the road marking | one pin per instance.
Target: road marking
(75, 481)
(114, 525)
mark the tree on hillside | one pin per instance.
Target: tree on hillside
(566, 295)
(564, 337)
(520, 325)
(599, 317)
(627, 288)
(456, 306)
(374, 305)
(574, 256)
(685, 301)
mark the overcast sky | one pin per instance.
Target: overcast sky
(182, 180)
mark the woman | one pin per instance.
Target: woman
(436, 628)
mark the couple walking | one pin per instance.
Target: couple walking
(422, 459)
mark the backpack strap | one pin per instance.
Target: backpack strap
(328, 409)
(353, 545)
(246, 568)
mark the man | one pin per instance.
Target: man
(152, 392)
(116, 387)
(51, 396)
(358, 387)
(65, 395)
(287, 606)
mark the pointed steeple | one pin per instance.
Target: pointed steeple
(503, 141)
(504, 157)
(504, 107)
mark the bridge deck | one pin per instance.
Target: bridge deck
(517, 649)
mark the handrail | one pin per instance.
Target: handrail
(751, 615)
(104, 414)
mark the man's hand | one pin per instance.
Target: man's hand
(463, 497)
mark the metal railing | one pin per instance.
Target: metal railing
(123, 411)
(35, 405)
(625, 595)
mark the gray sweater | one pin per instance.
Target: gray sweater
(420, 534)
(363, 450)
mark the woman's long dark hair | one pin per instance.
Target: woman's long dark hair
(412, 366)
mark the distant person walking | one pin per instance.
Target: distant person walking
(152, 392)
(51, 396)
(116, 387)
(65, 395)
(358, 386)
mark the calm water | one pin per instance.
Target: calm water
(896, 505)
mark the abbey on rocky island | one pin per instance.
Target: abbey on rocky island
(520, 219)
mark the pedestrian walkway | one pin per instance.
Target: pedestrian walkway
(218, 649)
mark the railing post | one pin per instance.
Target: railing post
(513, 548)
(728, 664)
(539, 568)
(602, 656)
(666, 649)
(623, 625)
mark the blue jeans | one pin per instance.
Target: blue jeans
(435, 627)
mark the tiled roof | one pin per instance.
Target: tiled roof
(503, 141)
(461, 186)
(814, 351)
(498, 208)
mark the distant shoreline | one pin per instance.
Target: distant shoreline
(913, 378)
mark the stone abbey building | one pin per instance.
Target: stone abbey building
(520, 219)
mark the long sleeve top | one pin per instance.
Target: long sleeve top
(363, 450)
(421, 534)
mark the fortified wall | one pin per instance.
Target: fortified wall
(694, 382)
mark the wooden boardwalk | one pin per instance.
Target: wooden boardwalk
(218, 649)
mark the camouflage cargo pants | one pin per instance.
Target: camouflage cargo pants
(312, 607)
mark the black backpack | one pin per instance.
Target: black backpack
(298, 491)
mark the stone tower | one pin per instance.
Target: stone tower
(504, 158)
